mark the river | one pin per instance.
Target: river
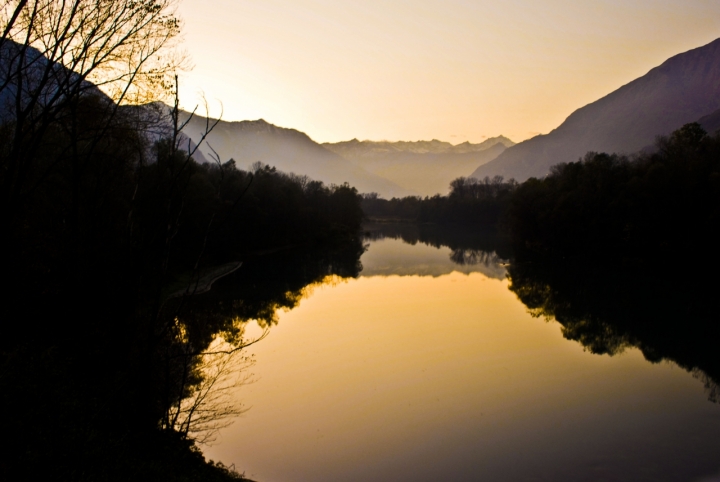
(423, 369)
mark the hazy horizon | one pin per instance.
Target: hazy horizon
(456, 72)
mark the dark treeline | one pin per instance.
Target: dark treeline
(618, 250)
(636, 208)
(650, 203)
(650, 207)
(471, 203)
(105, 233)
(664, 308)
(113, 235)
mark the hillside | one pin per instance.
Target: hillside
(288, 150)
(711, 122)
(683, 89)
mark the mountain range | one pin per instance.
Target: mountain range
(354, 149)
(423, 167)
(391, 169)
(288, 150)
(685, 88)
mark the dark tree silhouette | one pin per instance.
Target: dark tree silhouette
(112, 230)
(618, 250)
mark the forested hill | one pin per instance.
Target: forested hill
(288, 150)
(711, 122)
(681, 90)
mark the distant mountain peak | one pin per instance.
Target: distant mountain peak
(289, 150)
(434, 146)
(259, 126)
(425, 167)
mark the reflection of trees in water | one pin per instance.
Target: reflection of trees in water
(203, 358)
(202, 393)
(712, 386)
(469, 247)
(608, 307)
(602, 245)
(474, 257)
(274, 281)
(409, 233)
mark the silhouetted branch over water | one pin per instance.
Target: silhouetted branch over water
(113, 233)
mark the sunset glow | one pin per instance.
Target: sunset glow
(426, 69)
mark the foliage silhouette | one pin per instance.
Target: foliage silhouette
(618, 250)
(96, 251)
(472, 203)
(642, 208)
(609, 308)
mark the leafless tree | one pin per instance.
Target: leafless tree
(204, 399)
(54, 52)
(125, 47)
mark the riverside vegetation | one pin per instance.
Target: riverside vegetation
(97, 356)
(637, 207)
(111, 362)
(612, 247)
(90, 321)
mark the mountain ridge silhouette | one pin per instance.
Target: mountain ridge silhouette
(425, 167)
(287, 149)
(682, 89)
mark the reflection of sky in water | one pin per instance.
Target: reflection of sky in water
(447, 377)
(395, 257)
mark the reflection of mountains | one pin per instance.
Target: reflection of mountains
(608, 306)
(469, 252)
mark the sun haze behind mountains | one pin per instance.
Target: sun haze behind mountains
(424, 167)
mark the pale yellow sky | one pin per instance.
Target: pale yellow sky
(453, 70)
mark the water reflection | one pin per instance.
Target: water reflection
(605, 305)
(269, 282)
(468, 252)
(602, 305)
(447, 377)
(608, 308)
(423, 364)
(204, 360)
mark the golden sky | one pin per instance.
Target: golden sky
(453, 70)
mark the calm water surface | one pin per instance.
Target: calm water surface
(423, 369)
